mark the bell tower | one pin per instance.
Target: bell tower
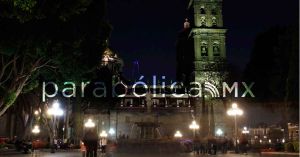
(201, 57)
(208, 34)
(208, 13)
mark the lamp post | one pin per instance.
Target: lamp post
(111, 132)
(283, 139)
(89, 124)
(63, 138)
(235, 111)
(36, 112)
(219, 132)
(36, 130)
(54, 111)
(194, 126)
(103, 136)
(245, 130)
(177, 134)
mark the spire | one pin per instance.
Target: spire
(186, 24)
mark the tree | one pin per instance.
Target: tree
(273, 60)
(26, 105)
(274, 67)
(48, 40)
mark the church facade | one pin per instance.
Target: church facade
(201, 57)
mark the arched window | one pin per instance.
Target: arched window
(202, 10)
(216, 49)
(203, 21)
(214, 21)
(204, 49)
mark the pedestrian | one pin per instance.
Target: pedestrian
(197, 146)
(209, 146)
(202, 149)
(243, 145)
(55, 144)
(103, 143)
(90, 141)
(18, 144)
(214, 147)
(82, 148)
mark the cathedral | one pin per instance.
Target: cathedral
(201, 57)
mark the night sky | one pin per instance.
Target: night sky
(146, 30)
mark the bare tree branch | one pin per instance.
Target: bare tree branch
(45, 64)
(4, 67)
(2, 111)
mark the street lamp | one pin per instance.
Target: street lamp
(219, 132)
(245, 130)
(36, 129)
(54, 111)
(103, 134)
(235, 111)
(194, 126)
(89, 124)
(36, 112)
(177, 134)
(111, 131)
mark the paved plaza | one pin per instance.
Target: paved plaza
(77, 153)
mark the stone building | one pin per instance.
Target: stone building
(201, 57)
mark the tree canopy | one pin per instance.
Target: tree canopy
(274, 67)
(274, 60)
(44, 40)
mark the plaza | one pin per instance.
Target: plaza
(146, 78)
(77, 153)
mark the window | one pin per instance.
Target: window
(202, 10)
(214, 22)
(216, 49)
(204, 50)
(203, 21)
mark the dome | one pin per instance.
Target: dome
(108, 55)
(111, 59)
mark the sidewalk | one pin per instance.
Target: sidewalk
(280, 153)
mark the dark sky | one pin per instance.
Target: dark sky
(146, 30)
